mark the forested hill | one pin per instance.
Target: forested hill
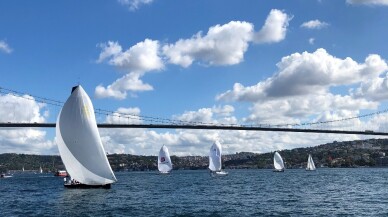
(337, 154)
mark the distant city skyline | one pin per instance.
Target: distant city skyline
(222, 62)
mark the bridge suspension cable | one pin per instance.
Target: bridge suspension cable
(152, 120)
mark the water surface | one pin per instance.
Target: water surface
(325, 192)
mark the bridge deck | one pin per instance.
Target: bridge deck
(205, 127)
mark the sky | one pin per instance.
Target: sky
(220, 62)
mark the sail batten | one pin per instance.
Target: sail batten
(79, 141)
(164, 160)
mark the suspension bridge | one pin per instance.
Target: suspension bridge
(203, 127)
(124, 120)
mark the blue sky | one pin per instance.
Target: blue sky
(233, 62)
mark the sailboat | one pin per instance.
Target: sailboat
(215, 160)
(310, 164)
(164, 161)
(80, 145)
(278, 163)
(40, 170)
(3, 175)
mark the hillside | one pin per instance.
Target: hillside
(336, 154)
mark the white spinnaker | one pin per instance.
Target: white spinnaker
(164, 160)
(278, 161)
(79, 141)
(310, 163)
(215, 157)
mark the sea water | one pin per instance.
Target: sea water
(296, 192)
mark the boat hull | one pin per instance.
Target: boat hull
(218, 173)
(164, 173)
(278, 170)
(61, 174)
(83, 186)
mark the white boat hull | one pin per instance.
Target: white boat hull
(164, 172)
(219, 173)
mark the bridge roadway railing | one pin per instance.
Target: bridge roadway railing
(203, 127)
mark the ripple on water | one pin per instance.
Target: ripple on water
(326, 192)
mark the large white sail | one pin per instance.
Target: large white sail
(278, 162)
(164, 160)
(310, 163)
(79, 141)
(215, 157)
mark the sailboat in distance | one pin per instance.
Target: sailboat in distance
(278, 162)
(215, 164)
(164, 161)
(310, 164)
(80, 145)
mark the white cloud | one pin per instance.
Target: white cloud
(14, 108)
(222, 45)
(136, 61)
(225, 110)
(179, 142)
(311, 40)
(119, 88)
(125, 116)
(314, 24)
(368, 2)
(198, 142)
(133, 141)
(274, 29)
(134, 4)
(4, 47)
(308, 73)
(110, 49)
(315, 72)
(302, 109)
(373, 89)
(213, 115)
(23, 109)
(140, 58)
(226, 44)
(204, 115)
(378, 123)
(299, 91)
(241, 93)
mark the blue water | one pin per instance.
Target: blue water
(325, 192)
